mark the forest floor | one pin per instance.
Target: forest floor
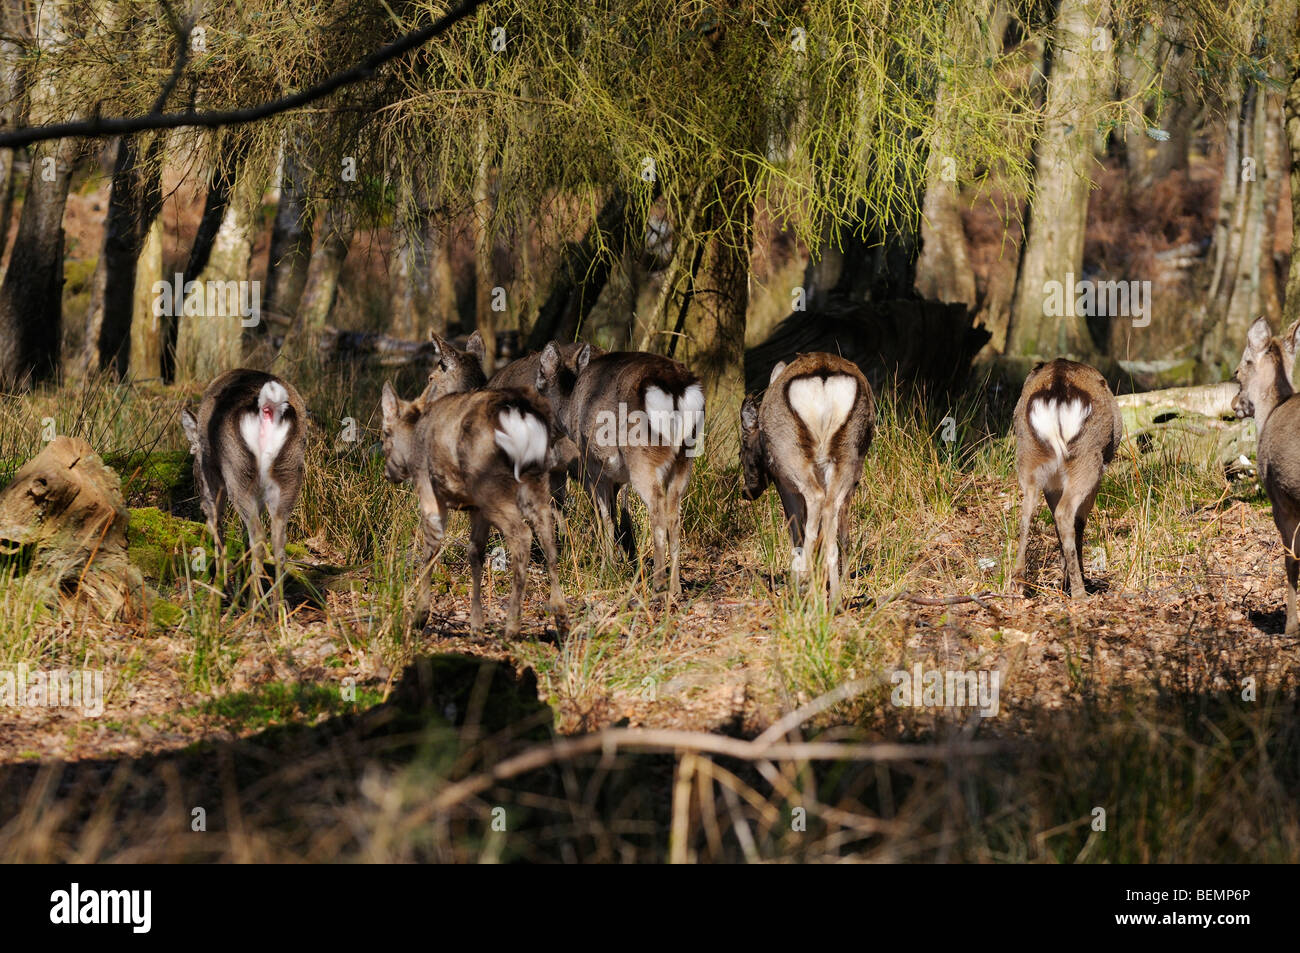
(718, 660)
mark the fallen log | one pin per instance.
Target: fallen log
(1193, 423)
(63, 527)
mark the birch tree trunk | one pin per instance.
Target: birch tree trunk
(1241, 283)
(322, 284)
(290, 254)
(146, 327)
(208, 344)
(484, 317)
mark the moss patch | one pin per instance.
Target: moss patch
(163, 477)
(161, 544)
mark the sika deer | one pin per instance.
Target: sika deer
(484, 451)
(1267, 394)
(522, 373)
(636, 419)
(1068, 427)
(247, 442)
(809, 436)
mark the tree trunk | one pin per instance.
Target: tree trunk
(1291, 309)
(442, 281)
(208, 344)
(31, 295)
(713, 340)
(322, 285)
(11, 86)
(1241, 282)
(485, 319)
(146, 327)
(1063, 168)
(411, 263)
(580, 276)
(290, 253)
(134, 202)
(943, 268)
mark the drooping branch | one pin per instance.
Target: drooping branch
(121, 125)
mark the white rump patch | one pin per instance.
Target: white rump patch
(523, 438)
(265, 431)
(1057, 424)
(823, 405)
(674, 421)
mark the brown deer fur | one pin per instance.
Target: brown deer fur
(1068, 428)
(248, 442)
(636, 419)
(1267, 394)
(809, 436)
(484, 451)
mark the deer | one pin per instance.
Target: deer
(1267, 394)
(809, 435)
(457, 370)
(1068, 426)
(636, 420)
(248, 440)
(487, 452)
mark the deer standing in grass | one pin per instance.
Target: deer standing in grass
(458, 370)
(636, 419)
(484, 451)
(809, 436)
(1267, 394)
(248, 442)
(1068, 427)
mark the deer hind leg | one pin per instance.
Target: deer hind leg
(215, 511)
(835, 532)
(806, 563)
(604, 494)
(681, 475)
(1082, 511)
(1292, 571)
(1289, 526)
(519, 540)
(1030, 493)
(279, 532)
(250, 512)
(537, 511)
(1064, 514)
(478, 537)
(431, 528)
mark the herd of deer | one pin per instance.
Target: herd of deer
(503, 449)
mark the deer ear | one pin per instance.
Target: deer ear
(475, 346)
(1258, 334)
(388, 404)
(191, 428)
(1291, 338)
(547, 365)
(749, 415)
(777, 371)
(584, 358)
(439, 345)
